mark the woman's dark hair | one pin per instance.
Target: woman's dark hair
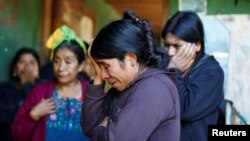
(130, 34)
(23, 50)
(86, 44)
(74, 47)
(187, 26)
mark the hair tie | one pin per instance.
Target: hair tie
(61, 34)
(137, 19)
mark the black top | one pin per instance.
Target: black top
(201, 93)
(11, 98)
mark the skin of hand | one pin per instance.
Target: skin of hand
(44, 107)
(184, 58)
(104, 123)
(98, 78)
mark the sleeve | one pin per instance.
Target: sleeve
(92, 108)
(150, 104)
(200, 93)
(10, 100)
(26, 88)
(23, 125)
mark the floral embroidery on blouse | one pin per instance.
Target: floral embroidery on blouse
(67, 115)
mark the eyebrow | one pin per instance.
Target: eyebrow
(169, 43)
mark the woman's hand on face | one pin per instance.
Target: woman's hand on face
(44, 107)
(98, 77)
(184, 58)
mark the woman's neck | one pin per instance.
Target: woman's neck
(71, 90)
(141, 69)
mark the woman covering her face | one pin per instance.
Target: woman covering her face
(52, 108)
(143, 103)
(200, 78)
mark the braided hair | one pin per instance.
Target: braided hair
(129, 34)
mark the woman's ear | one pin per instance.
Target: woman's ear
(198, 46)
(131, 58)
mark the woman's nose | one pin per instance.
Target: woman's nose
(62, 66)
(172, 51)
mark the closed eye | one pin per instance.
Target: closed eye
(175, 45)
(105, 66)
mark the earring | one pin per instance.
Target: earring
(14, 74)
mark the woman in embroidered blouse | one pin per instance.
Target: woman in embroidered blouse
(52, 108)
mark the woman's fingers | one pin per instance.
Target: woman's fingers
(184, 57)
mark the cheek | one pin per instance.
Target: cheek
(19, 67)
(55, 67)
(126, 78)
(74, 68)
(36, 68)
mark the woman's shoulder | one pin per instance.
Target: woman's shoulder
(8, 90)
(156, 83)
(157, 77)
(84, 82)
(156, 74)
(43, 86)
(7, 85)
(208, 62)
(41, 90)
(44, 83)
